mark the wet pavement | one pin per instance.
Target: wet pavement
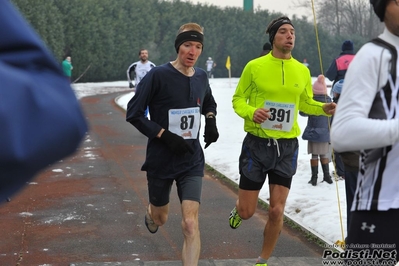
(89, 210)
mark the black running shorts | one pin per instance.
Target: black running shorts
(261, 157)
(188, 188)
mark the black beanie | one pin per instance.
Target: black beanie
(379, 8)
(347, 45)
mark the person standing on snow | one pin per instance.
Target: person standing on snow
(335, 72)
(317, 133)
(338, 67)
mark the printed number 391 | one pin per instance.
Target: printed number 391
(280, 115)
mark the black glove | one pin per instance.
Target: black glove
(211, 132)
(176, 143)
(131, 85)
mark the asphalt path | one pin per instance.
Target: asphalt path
(89, 208)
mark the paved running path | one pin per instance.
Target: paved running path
(89, 209)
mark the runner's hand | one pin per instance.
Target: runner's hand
(211, 133)
(261, 115)
(176, 143)
(329, 108)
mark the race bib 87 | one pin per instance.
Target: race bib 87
(185, 122)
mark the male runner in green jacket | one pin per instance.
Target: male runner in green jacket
(271, 90)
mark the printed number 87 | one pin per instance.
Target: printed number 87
(186, 122)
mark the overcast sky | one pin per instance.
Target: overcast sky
(287, 7)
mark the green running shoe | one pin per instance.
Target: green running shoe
(234, 219)
(261, 264)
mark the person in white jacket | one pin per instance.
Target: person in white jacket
(367, 120)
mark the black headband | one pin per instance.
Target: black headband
(276, 25)
(188, 36)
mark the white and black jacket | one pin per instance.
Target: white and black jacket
(367, 119)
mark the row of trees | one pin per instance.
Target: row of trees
(108, 34)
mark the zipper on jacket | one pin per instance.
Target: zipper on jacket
(282, 71)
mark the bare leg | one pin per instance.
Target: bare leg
(190, 228)
(246, 203)
(278, 197)
(159, 214)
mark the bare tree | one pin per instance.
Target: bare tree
(345, 17)
(337, 15)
